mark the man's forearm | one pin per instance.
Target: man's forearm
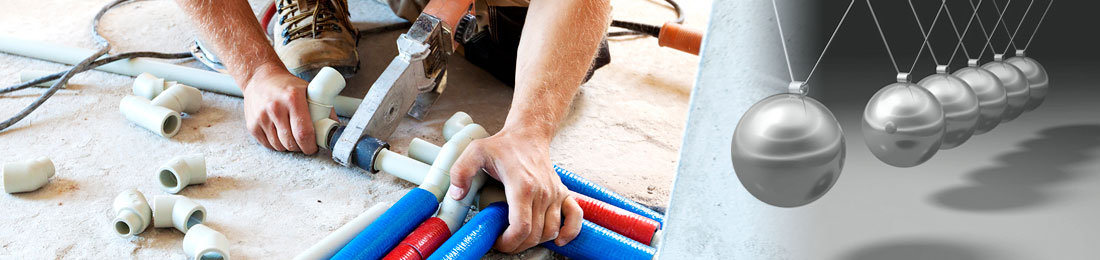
(232, 29)
(560, 39)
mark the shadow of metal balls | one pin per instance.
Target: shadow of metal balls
(960, 107)
(903, 125)
(1016, 87)
(992, 97)
(1037, 78)
(788, 150)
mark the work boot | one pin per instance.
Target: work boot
(313, 34)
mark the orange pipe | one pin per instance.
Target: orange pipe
(449, 11)
(676, 36)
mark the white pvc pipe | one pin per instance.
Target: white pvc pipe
(204, 243)
(423, 151)
(29, 75)
(328, 246)
(27, 175)
(159, 120)
(439, 177)
(401, 167)
(454, 212)
(181, 172)
(132, 213)
(180, 98)
(202, 79)
(177, 211)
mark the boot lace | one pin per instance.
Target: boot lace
(327, 16)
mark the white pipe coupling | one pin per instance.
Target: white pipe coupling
(205, 243)
(159, 120)
(322, 91)
(177, 211)
(132, 213)
(181, 172)
(149, 86)
(27, 175)
(180, 98)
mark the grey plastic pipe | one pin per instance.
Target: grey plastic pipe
(322, 92)
(401, 167)
(439, 176)
(177, 211)
(27, 175)
(29, 75)
(202, 79)
(423, 151)
(205, 243)
(180, 98)
(328, 246)
(132, 213)
(157, 119)
(182, 171)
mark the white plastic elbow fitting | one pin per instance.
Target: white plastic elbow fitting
(148, 86)
(27, 175)
(159, 120)
(181, 172)
(132, 213)
(29, 75)
(205, 243)
(322, 93)
(454, 124)
(439, 176)
(177, 211)
(180, 98)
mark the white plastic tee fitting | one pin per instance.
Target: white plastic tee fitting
(177, 211)
(322, 92)
(27, 175)
(132, 213)
(439, 176)
(205, 243)
(454, 124)
(148, 86)
(180, 98)
(181, 172)
(159, 120)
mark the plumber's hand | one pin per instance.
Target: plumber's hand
(276, 112)
(537, 200)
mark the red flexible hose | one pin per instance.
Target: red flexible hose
(421, 242)
(626, 223)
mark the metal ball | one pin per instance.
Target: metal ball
(992, 98)
(903, 125)
(1016, 87)
(788, 150)
(1037, 78)
(960, 107)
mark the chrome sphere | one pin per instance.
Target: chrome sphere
(960, 107)
(992, 98)
(1037, 79)
(788, 150)
(1016, 87)
(903, 125)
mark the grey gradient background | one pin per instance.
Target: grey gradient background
(1029, 189)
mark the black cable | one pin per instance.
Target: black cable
(633, 28)
(97, 63)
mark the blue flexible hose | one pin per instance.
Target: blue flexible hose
(584, 186)
(477, 236)
(391, 227)
(596, 242)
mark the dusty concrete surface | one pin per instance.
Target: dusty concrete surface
(623, 131)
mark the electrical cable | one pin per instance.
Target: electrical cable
(633, 28)
(87, 64)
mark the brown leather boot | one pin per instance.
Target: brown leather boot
(313, 34)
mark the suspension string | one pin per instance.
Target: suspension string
(1012, 35)
(880, 33)
(925, 34)
(962, 36)
(1038, 25)
(988, 36)
(782, 37)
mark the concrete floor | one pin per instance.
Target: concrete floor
(623, 131)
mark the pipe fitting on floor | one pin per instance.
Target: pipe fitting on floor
(132, 213)
(27, 175)
(149, 86)
(181, 172)
(159, 120)
(322, 91)
(180, 98)
(177, 211)
(439, 176)
(205, 243)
